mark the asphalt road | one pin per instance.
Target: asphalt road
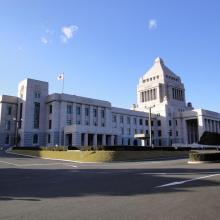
(32, 188)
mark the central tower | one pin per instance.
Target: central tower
(159, 87)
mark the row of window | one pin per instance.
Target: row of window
(159, 132)
(178, 94)
(151, 79)
(141, 121)
(148, 95)
(69, 110)
(172, 78)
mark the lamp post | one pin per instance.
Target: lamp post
(16, 130)
(149, 125)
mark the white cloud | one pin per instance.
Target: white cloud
(152, 24)
(44, 40)
(68, 32)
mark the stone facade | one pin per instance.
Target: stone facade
(35, 118)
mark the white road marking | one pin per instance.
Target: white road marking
(186, 181)
(8, 163)
(37, 164)
(153, 173)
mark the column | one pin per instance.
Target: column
(145, 96)
(74, 114)
(95, 140)
(83, 115)
(104, 140)
(85, 139)
(112, 140)
(91, 115)
(99, 117)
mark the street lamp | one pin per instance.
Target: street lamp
(16, 130)
(149, 125)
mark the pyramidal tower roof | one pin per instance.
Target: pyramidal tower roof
(159, 68)
(158, 60)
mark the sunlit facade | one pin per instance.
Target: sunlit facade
(35, 118)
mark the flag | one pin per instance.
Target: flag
(60, 76)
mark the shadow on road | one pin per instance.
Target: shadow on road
(25, 184)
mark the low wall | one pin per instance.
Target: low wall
(103, 156)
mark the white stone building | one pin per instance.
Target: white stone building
(35, 118)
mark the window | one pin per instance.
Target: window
(159, 133)
(159, 123)
(152, 123)
(128, 120)
(102, 113)
(37, 95)
(36, 115)
(129, 131)
(78, 110)
(69, 109)
(121, 119)
(50, 124)
(35, 139)
(159, 142)
(68, 121)
(122, 131)
(170, 123)
(7, 139)
(135, 131)
(135, 121)
(176, 122)
(86, 111)
(177, 134)
(9, 110)
(114, 118)
(146, 122)
(50, 109)
(141, 121)
(8, 125)
(170, 133)
(48, 138)
(94, 112)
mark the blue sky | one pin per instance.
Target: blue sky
(105, 46)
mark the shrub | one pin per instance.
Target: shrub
(56, 148)
(210, 138)
(204, 156)
(130, 148)
(27, 148)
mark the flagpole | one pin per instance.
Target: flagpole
(63, 83)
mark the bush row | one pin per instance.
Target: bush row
(202, 156)
(108, 148)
